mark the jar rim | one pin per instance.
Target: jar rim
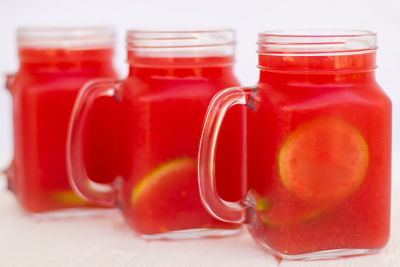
(139, 38)
(66, 37)
(317, 33)
(316, 41)
(182, 30)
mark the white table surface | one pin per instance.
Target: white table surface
(105, 240)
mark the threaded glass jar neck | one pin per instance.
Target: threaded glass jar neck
(317, 50)
(180, 48)
(68, 38)
(65, 44)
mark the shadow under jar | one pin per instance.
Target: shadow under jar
(54, 64)
(172, 77)
(318, 146)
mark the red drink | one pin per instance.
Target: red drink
(54, 64)
(163, 103)
(319, 147)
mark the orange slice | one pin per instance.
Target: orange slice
(324, 160)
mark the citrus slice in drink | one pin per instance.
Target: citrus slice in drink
(168, 199)
(323, 161)
(164, 176)
(67, 197)
(283, 208)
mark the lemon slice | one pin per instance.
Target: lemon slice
(67, 197)
(324, 160)
(167, 173)
(168, 199)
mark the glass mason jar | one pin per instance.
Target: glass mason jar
(54, 64)
(318, 147)
(172, 77)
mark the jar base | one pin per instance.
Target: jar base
(192, 234)
(321, 255)
(68, 213)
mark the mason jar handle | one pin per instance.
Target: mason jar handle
(101, 194)
(233, 212)
(7, 79)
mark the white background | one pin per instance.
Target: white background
(248, 17)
